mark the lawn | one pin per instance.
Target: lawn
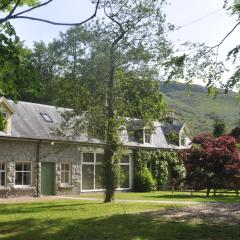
(73, 219)
(169, 196)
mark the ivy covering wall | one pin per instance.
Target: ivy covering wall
(3, 122)
(157, 169)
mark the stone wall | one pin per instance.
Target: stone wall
(64, 153)
(12, 151)
(26, 151)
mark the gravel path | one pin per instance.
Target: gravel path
(214, 213)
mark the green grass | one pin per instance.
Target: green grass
(168, 196)
(72, 219)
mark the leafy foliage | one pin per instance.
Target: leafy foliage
(236, 132)
(12, 53)
(11, 73)
(9, 59)
(219, 127)
(3, 121)
(212, 163)
(144, 181)
(164, 165)
(7, 5)
(173, 137)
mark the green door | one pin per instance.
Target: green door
(47, 178)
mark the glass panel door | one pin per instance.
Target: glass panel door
(124, 176)
(98, 176)
(87, 177)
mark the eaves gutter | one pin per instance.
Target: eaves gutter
(150, 148)
(11, 138)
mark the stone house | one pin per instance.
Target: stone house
(35, 162)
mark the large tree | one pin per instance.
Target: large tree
(108, 73)
(213, 163)
(133, 31)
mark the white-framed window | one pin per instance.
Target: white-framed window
(92, 171)
(182, 141)
(147, 135)
(2, 174)
(125, 172)
(66, 172)
(23, 174)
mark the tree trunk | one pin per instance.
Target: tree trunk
(214, 192)
(111, 136)
(110, 174)
(111, 149)
(208, 191)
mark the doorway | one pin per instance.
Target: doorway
(48, 178)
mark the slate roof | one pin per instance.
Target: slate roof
(28, 123)
(176, 127)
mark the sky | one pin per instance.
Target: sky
(203, 21)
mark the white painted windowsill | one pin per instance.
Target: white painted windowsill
(4, 188)
(65, 186)
(23, 187)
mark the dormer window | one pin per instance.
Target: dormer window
(6, 112)
(183, 137)
(136, 135)
(147, 135)
(140, 136)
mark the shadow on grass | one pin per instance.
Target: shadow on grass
(39, 207)
(122, 227)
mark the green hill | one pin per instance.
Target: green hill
(198, 110)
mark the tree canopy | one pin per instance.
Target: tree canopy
(10, 46)
(213, 163)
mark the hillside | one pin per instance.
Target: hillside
(198, 110)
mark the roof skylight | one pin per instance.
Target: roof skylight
(46, 117)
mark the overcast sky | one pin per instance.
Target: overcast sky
(203, 21)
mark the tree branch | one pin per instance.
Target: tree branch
(10, 13)
(18, 16)
(32, 8)
(51, 22)
(112, 18)
(227, 35)
(14, 8)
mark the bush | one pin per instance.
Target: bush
(144, 181)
